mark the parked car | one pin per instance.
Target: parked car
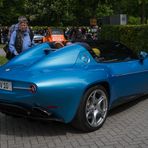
(54, 35)
(38, 38)
(77, 84)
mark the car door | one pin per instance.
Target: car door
(129, 78)
(128, 74)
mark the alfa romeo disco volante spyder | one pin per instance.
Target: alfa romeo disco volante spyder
(77, 84)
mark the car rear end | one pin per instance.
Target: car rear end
(18, 95)
(57, 35)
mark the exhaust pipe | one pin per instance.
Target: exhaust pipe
(41, 111)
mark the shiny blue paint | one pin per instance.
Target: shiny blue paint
(63, 76)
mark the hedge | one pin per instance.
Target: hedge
(134, 36)
(37, 28)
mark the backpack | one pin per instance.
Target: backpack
(18, 44)
(11, 29)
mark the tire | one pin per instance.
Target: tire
(93, 110)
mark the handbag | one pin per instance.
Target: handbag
(9, 54)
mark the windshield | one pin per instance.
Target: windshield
(57, 31)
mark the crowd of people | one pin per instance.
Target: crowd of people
(19, 37)
(3, 34)
(77, 33)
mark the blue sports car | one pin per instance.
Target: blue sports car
(78, 83)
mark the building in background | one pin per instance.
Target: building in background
(120, 19)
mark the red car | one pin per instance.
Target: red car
(55, 35)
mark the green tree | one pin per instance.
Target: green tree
(69, 12)
(10, 10)
(1, 3)
(104, 10)
(143, 4)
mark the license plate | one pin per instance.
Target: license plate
(6, 85)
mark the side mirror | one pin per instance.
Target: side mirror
(142, 55)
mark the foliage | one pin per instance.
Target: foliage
(37, 28)
(2, 45)
(103, 10)
(49, 12)
(134, 36)
(10, 10)
(1, 3)
(133, 20)
(69, 12)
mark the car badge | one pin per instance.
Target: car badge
(8, 69)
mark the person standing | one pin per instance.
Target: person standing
(20, 39)
(15, 27)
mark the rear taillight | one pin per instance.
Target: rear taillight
(32, 88)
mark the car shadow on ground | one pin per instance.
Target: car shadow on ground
(28, 128)
(126, 105)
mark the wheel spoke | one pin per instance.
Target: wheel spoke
(94, 119)
(93, 96)
(101, 106)
(88, 114)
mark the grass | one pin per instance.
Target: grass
(3, 60)
(2, 45)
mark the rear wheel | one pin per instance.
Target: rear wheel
(93, 109)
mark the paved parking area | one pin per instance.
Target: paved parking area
(125, 127)
(2, 53)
